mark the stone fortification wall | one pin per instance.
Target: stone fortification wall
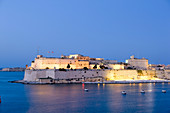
(167, 74)
(130, 74)
(163, 74)
(78, 74)
(120, 74)
(57, 63)
(34, 75)
(160, 74)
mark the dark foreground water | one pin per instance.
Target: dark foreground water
(63, 98)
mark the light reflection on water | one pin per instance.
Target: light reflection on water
(63, 98)
(100, 98)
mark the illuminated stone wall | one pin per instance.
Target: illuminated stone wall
(121, 74)
(116, 66)
(51, 63)
(32, 75)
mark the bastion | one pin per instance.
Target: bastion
(45, 76)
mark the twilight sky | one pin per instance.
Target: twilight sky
(112, 29)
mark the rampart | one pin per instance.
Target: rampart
(56, 76)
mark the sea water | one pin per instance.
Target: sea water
(67, 98)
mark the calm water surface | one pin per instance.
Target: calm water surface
(63, 98)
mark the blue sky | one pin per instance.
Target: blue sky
(112, 29)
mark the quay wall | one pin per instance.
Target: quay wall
(35, 75)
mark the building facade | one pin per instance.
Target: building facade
(41, 62)
(138, 63)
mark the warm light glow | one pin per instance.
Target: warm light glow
(83, 86)
(98, 85)
(140, 84)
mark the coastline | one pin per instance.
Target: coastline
(105, 82)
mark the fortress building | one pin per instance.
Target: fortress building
(75, 61)
(57, 63)
(138, 63)
(79, 69)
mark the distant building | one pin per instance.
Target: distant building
(13, 69)
(138, 63)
